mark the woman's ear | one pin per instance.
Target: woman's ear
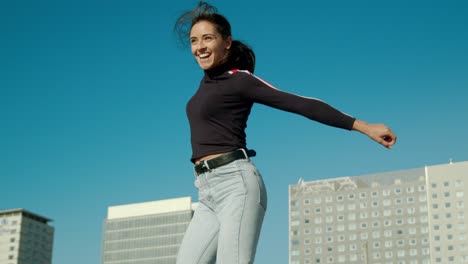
(228, 42)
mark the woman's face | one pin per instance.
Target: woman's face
(208, 46)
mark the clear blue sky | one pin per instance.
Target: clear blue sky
(93, 94)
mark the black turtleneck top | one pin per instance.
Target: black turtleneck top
(219, 110)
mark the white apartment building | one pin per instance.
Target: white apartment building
(415, 216)
(25, 238)
(146, 233)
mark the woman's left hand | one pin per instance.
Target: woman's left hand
(378, 132)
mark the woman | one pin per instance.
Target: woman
(226, 225)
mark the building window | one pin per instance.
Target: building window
(422, 198)
(376, 234)
(446, 184)
(339, 198)
(362, 195)
(364, 236)
(434, 185)
(387, 202)
(423, 208)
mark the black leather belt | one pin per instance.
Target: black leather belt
(223, 159)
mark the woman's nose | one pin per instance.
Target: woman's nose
(201, 45)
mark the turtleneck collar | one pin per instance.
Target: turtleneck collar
(219, 70)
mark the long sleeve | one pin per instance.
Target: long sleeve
(259, 91)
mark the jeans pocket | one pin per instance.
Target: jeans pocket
(263, 199)
(253, 176)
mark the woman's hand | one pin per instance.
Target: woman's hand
(378, 132)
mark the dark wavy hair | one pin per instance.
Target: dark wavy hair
(239, 56)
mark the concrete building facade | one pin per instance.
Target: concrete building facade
(414, 216)
(25, 238)
(146, 233)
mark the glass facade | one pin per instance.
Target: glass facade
(146, 239)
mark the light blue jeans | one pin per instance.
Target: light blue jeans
(226, 225)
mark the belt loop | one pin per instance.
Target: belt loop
(245, 153)
(205, 164)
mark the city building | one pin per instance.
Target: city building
(415, 216)
(146, 233)
(25, 238)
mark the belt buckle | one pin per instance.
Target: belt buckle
(204, 167)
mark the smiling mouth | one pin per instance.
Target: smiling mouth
(204, 56)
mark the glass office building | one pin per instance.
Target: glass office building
(146, 233)
(25, 238)
(415, 216)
